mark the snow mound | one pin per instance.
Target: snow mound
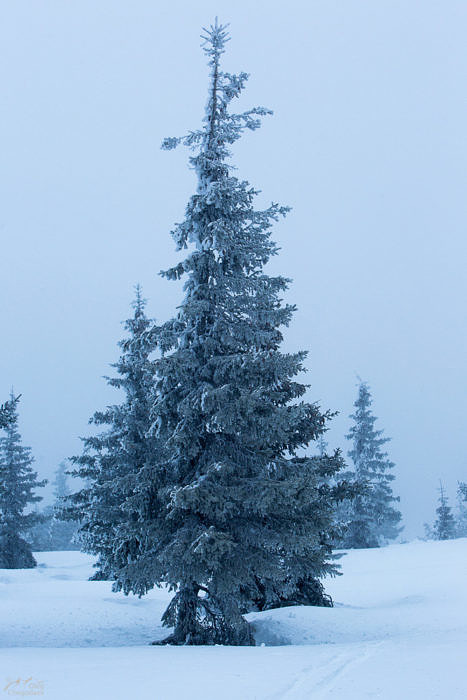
(393, 592)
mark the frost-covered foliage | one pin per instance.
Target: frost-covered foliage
(240, 521)
(444, 527)
(115, 461)
(18, 482)
(7, 412)
(370, 517)
(461, 516)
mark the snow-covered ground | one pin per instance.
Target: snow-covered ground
(398, 631)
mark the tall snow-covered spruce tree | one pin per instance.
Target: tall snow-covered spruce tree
(18, 483)
(243, 521)
(371, 516)
(115, 459)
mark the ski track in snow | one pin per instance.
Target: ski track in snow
(313, 680)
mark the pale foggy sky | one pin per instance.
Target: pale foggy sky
(367, 144)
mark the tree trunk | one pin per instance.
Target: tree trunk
(203, 621)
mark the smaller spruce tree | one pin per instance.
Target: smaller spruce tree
(61, 531)
(18, 482)
(371, 517)
(444, 527)
(112, 461)
(322, 446)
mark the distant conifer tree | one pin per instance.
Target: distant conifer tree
(371, 517)
(444, 527)
(461, 519)
(18, 483)
(322, 446)
(61, 531)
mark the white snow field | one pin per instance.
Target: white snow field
(398, 631)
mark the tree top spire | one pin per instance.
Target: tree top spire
(221, 127)
(139, 302)
(214, 41)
